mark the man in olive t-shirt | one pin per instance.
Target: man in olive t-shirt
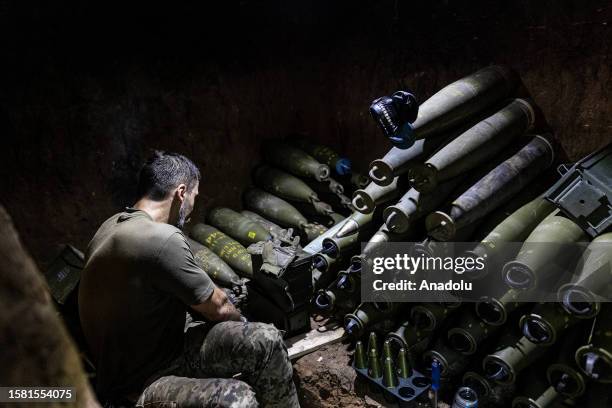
(139, 278)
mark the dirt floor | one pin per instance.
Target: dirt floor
(325, 379)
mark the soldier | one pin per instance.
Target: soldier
(139, 279)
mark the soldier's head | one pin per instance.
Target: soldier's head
(172, 179)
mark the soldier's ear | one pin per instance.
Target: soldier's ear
(181, 192)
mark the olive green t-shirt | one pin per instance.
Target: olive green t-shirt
(138, 279)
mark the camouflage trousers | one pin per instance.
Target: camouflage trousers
(231, 364)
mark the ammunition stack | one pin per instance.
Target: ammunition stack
(476, 171)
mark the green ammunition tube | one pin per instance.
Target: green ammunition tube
(591, 284)
(295, 161)
(595, 358)
(229, 250)
(365, 200)
(360, 356)
(213, 265)
(496, 187)
(453, 105)
(546, 323)
(546, 243)
(237, 226)
(368, 315)
(507, 362)
(515, 228)
(475, 146)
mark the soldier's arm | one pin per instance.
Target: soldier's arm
(217, 307)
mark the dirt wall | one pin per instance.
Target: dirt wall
(91, 88)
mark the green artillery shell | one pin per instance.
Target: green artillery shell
(360, 356)
(495, 311)
(450, 107)
(323, 154)
(533, 262)
(498, 186)
(383, 235)
(464, 98)
(237, 226)
(515, 228)
(399, 161)
(234, 254)
(367, 199)
(295, 161)
(452, 363)
(564, 375)
(546, 323)
(403, 367)
(478, 383)
(592, 282)
(414, 204)
(354, 223)
(366, 316)
(475, 146)
(387, 349)
(280, 211)
(389, 374)
(273, 208)
(595, 359)
(316, 244)
(284, 185)
(373, 343)
(470, 333)
(549, 398)
(374, 369)
(214, 266)
(271, 227)
(411, 338)
(352, 231)
(506, 363)
(429, 316)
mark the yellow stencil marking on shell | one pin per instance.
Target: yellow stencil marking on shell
(251, 234)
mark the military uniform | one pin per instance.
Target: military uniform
(139, 278)
(232, 364)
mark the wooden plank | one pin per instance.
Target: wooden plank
(306, 343)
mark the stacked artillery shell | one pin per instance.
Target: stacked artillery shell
(213, 265)
(595, 358)
(499, 185)
(398, 161)
(272, 228)
(469, 334)
(515, 228)
(369, 315)
(411, 338)
(383, 235)
(490, 394)
(448, 108)
(546, 323)
(280, 211)
(591, 284)
(324, 154)
(452, 362)
(495, 310)
(538, 394)
(563, 374)
(504, 365)
(366, 200)
(229, 250)
(316, 245)
(343, 293)
(295, 161)
(331, 190)
(290, 188)
(349, 235)
(237, 226)
(414, 204)
(475, 146)
(547, 243)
